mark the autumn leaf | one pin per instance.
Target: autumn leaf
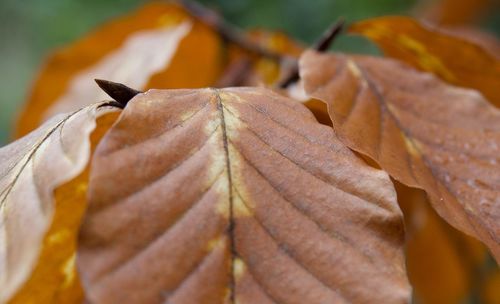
(455, 12)
(236, 194)
(42, 199)
(266, 70)
(484, 39)
(451, 58)
(491, 288)
(156, 46)
(455, 260)
(425, 133)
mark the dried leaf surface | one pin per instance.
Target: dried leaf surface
(451, 58)
(30, 170)
(425, 133)
(236, 195)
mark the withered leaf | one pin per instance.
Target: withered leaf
(486, 40)
(424, 132)
(451, 58)
(31, 169)
(155, 46)
(158, 46)
(236, 195)
(456, 258)
(454, 12)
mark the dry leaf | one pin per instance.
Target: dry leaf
(486, 40)
(156, 46)
(453, 59)
(270, 71)
(455, 12)
(453, 259)
(236, 195)
(491, 289)
(31, 169)
(425, 133)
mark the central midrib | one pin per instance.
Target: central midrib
(225, 142)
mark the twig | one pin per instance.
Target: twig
(227, 31)
(323, 43)
(235, 74)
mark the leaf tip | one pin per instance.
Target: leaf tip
(119, 92)
(329, 35)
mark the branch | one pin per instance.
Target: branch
(227, 31)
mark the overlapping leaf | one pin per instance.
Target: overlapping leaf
(425, 133)
(453, 59)
(438, 255)
(38, 227)
(158, 46)
(236, 195)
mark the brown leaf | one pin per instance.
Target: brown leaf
(425, 133)
(451, 58)
(37, 226)
(217, 196)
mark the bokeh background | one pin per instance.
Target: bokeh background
(29, 29)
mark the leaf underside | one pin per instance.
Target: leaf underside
(236, 195)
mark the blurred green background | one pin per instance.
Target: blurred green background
(29, 29)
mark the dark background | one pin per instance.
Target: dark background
(29, 29)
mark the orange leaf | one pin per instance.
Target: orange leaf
(42, 197)
(455, 12)
(437, 254)
(451, 58)
(55, 278)
(487, 41)
(157, 45)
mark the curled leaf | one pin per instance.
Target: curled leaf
(236, 195)
(424, 132)
(451, 58)
(31, 225)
